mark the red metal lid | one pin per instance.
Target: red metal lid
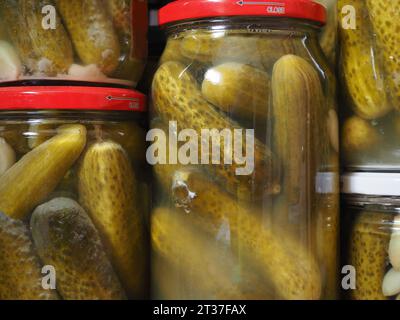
(71, 98)
(197, 9)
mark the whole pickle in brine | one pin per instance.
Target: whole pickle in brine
(191, 110)
(109, 192)
(361, 69)
(32, 179)
(43, 50)
(297, 91)
(92, 33)
(368, 252)
(385, 18)
(20, 276)
(238, 89)
(66, 239)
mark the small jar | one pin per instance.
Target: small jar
(371, 229)
(369, 71)
(91, 41)
(74, 194)
(253, 78)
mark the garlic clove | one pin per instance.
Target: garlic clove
(7, 156)
(391, 283)
(10, 64)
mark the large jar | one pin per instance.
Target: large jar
(371, 228)
(73, 194)
(256, 215)
(369, 73)
(92, 40)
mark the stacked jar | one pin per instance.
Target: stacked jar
(369, 70)
(74, 182)
(96, 41)
(245, 153)
(369, 73)
(371, 246)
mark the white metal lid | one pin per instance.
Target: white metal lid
(378, 184)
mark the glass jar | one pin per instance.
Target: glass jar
(74, 194)
(245, 154)
(369, 73)
(371, 235)
(93, 41)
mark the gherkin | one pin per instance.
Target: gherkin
(66, 238)
(44, 51)
(20, 276)
(92, 33)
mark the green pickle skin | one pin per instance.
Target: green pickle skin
(20, 275)
(92, 33)
(43, 51)
(66, 238)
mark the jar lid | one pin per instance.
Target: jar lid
(71, 98)
(180, 10)
(377, 184)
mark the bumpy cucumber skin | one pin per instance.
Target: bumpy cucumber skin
(32, 179)
(385, 17)
(47, 52)
(66, 239)
(362, 71)
(20, 276)
(369, 244)
(92, 33)
(108, 190)
(191, 110)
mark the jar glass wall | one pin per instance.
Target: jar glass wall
(369, 68)
(271, 231)
(93, 41)
(74, 197)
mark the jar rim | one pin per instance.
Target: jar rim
(183, 10)
(71, 98)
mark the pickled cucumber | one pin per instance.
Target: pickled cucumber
(362, 72)
(31, 180)
(194, 254)
(130, 66)
(238, 89)
(108, 190)
(358, 135)
(130, 136)
(220, 47)
(369, 245)
(20, 276)
(43, 51)
(328, 37)
(191, 110)
(297, 91)
(66, 238)
(210, 208)
(172, 52)
(92, 33)
(385, 17)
